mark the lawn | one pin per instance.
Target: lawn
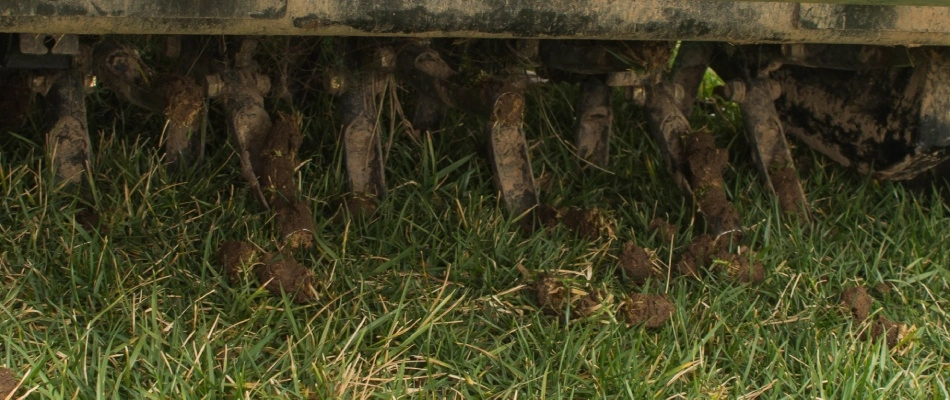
(433, 296)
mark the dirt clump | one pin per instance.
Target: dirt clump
(698, 254)
(740, 268)
(858, 302)
(788, 190)
(882, 288)
(295, 225)
(591, 303)
(281, 273)
(552, 294)
(892, 331)
(555, 294)
(663, 229)
(543, 216)
(277, 167)
(705, 163)
(636, 264)
(184, 107)
(588, 223)
(648, 309)
(278, 160)
(233, 256)
(184, 99)
(8, 383)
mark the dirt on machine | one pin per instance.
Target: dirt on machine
(866, 83)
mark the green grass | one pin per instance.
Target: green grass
(427, 298)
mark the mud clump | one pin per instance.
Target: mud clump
(552, 294)
(295, 225)
(663, 229)
(277, 167)
(697, 255)
(740, 268)
(284, 274)
(184, 108)
(184, 99)
(8, 383)
(787, 190)
(858, 302)
(705, 163)
(636, 263)
(234, 256)
(591, 303)
(650, 310)
(893, 332)
(591, 224)
(278, 160)
(543, 216)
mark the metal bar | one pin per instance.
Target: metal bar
(709, 20)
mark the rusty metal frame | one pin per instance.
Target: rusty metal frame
(707, 20)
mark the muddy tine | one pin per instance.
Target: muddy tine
(594, 121)
(511, 165)
(769, 147)
(692, 157)
(67, 140)
(119, 67)
(242, 90)
(361, 136)
(667, 125)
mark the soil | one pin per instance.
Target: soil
(591, 224)
(360, 204)
(552, 294)
(858, 302)
(882, 288)
(184, 106)
(636, 264)
(281, 273)
(788, 190)
(705, 163)
(698, 254)
(88, 219)
(589, 305)
(295, 225)
(184, 99)
(8, 383)
(278, 160)
(234, 256)
(741, 269)
(663, 229)
(892, 331)
(650, 310)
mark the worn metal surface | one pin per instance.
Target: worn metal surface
(888, 122)
(734, 21)
(770, 150)
(67, 140)
(594, 121)
(511, 165)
